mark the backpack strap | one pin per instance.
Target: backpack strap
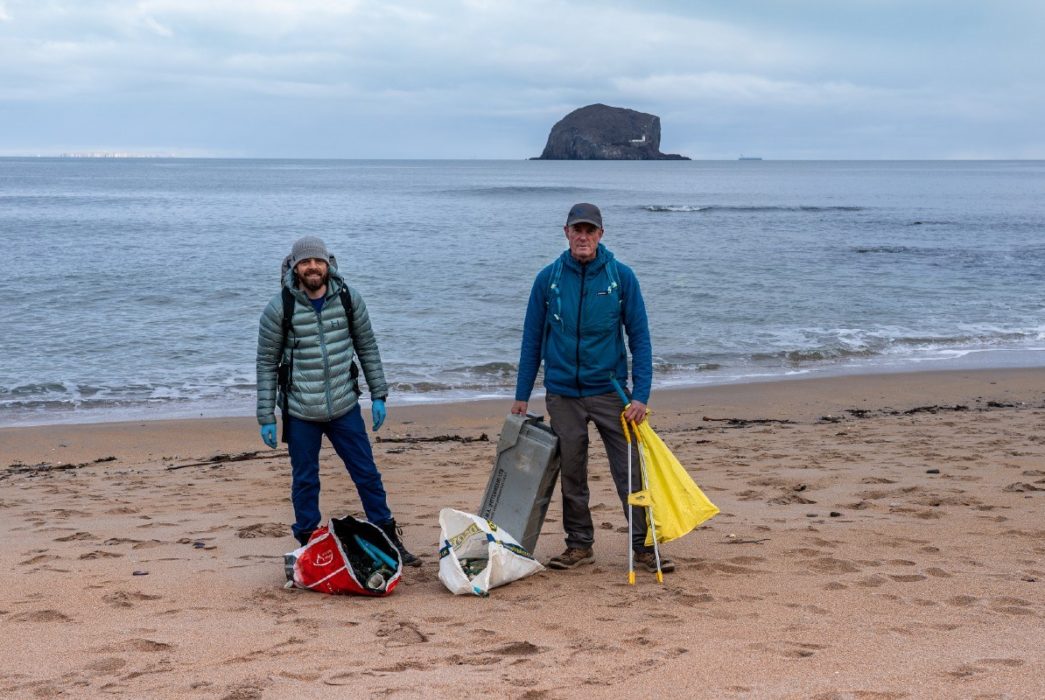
(346, 304)
(288, 316)
(284, 370)
(611, 269)
(554, 293)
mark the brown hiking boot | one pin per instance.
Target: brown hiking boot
(572, 557)
(649, 560)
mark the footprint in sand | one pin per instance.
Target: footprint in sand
(125, 599)
(76, 537)
(404, 666)
(693, 599)
(861, 695)
(344, 678)
(1012, 606)
(404, 634)
(830, 565)
(42, 616)
(244, 691)
(516, 649)
(263, 530)
(788, 649)
(788, 499)
(137, 644)
(963, 601)
(106, 666)
(99, 554)
(746, 560)
(39, 559)
(966, 671)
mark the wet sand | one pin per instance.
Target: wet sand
(881, 536)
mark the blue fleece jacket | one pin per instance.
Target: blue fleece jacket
(576, 329)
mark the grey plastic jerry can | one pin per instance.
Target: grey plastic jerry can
(523, 478)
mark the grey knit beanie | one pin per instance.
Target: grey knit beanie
(308, 247)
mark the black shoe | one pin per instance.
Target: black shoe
(303, 537)
(395, 534)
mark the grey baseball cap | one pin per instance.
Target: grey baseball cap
(584, 213)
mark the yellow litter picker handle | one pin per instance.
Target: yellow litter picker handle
(624, 425)
(627, 402)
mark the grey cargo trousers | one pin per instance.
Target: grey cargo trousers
(569, 421)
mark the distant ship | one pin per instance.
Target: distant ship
(750, 158)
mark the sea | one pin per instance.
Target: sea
(133, 287)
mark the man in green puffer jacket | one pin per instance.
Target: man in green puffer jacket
(321, 342)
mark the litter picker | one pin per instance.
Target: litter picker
(645, 485)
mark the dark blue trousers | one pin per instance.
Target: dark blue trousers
(349, 437)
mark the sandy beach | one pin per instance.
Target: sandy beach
(881, 536)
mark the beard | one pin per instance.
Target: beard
(313, 281)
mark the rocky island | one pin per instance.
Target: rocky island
(601, 132)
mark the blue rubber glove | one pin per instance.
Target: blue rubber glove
(379, 413)
(268, 434)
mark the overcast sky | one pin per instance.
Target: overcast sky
(831, 79)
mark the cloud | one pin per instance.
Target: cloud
(522, 64)
(744, 89)
(404, 45)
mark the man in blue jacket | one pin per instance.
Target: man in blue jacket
(579, 305)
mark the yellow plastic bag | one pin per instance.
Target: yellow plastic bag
(678, 503)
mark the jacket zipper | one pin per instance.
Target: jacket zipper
(326, 361)
(580, 318)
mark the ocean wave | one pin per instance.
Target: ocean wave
(842, 345)
(489, 369)
(78, 200)
(821, 354)
(522, 189)
(68, 395)
(683, 366)
(690, 208)
(904, 250)
(892, 249)
(419, 387)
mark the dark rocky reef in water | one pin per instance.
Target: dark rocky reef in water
(600, 132)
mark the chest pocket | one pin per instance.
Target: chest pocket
(602, 308)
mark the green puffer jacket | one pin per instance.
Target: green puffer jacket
(321, 386)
